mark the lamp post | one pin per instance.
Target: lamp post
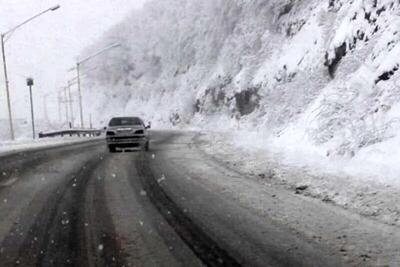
(29, 82)
(71, 103)
(65, 101)
(3, 39)
(59, 102)
(78, 77)
(10, 119)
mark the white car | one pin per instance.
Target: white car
(127, 132)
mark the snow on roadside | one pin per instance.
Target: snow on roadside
(368, 185)
(7, 147)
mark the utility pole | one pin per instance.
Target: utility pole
(70, 100)
(59, 100)
(90, 121)
(78, 66)
(65, 101)
(29, 82)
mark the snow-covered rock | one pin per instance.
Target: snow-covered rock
(315, 74)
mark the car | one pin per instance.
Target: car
(127, 132)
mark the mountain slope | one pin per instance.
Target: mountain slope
(320, 74)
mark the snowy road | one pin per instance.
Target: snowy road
(79, 205)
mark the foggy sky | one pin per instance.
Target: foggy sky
(48, 46)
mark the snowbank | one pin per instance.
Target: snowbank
(373, 194)
(7, 147)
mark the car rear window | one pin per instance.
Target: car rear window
(125, 121)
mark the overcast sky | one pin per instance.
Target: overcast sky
(48, 46)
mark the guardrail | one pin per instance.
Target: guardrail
(71, 132)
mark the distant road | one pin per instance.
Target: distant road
(79, 205)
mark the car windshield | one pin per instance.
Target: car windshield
(125, 121)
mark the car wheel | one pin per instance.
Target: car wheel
(112, 149)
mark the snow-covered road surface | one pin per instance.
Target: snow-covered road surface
(7, 147)
(348, 183)
(176, 205)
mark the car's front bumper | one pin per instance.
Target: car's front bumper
(127, 140)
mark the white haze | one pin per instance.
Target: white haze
(48, 46)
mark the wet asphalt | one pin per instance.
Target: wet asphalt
(80, 205)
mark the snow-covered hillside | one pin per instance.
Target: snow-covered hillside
(315, 74)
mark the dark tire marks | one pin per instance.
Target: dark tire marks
(63, 243)
(202, 245)
(103, 245)
(19, 163)
(57, 236)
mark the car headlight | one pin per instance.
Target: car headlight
(139, 132)
(109, 133)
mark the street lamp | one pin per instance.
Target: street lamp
(54, 8)
(78, 77)
(4, 38)
(64, 100)
(29, 82)
(71, 107)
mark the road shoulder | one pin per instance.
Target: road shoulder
(358, 239)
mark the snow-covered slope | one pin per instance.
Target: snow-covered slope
(315, 74)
